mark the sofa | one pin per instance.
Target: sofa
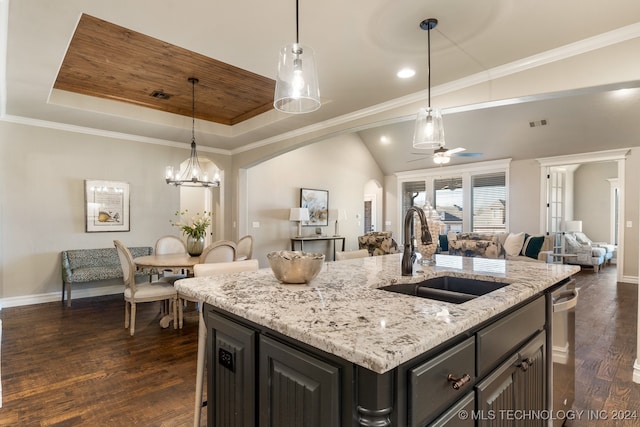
(81, 266)
(511, 246)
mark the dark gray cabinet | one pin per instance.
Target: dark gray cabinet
(459, 415)
(255, 379)
(258, 377)
(514, 393)
(231, 365)
(296, 389)
(431, 384)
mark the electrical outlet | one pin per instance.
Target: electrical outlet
(629, 224)
(256, 224)
(225, 358)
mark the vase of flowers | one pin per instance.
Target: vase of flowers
(194, 228)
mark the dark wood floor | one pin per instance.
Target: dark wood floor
(606, 324)
(80, 367)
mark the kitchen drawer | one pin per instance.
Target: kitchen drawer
(430, 390)
(502, 337)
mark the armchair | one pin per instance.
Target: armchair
(610, 249)
(586, 253)
(378, 243)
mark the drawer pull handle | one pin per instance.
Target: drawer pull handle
(524, 365)
(458, 382)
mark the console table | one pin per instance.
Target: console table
(301, 240)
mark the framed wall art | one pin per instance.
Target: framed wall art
(106, 205)
(317, 202)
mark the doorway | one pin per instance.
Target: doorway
(578, 187)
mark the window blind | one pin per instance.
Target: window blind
(489, 199)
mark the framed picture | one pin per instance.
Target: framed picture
(317, 201)
(106, 205)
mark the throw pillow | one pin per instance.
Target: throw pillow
(513, 244)
(532, 246)
(571, 245)
(444, 242)
(582, 238)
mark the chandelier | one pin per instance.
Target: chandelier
(193, 175)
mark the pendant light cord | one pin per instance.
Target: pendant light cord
(297, 31)
(193, 110)
(428, 66)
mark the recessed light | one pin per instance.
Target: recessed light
(406, 73)
(384, 139)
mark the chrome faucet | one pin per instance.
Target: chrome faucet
(409, 255)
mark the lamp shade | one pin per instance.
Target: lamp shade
(297, 89)
(573, 226)
(337, 214)
(299, 214)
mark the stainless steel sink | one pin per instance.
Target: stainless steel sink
(451, 289)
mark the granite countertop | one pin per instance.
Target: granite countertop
(343, 313)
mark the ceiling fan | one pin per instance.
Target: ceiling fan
(441, 155)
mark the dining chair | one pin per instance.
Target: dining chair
(362, 253)
(167, 245)
(219, 251)
(141, 292)
(244, 248)
(202, 270)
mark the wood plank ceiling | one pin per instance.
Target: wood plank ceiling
(109, 61)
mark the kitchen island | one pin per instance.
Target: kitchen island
(345, 352)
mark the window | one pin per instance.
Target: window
(471, 197)
(489, 199)
(413, 194)
(448, 196)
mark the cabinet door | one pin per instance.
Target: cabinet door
(496, 394)
(231, 365)
(296, 389)
(459, 415)
(531, 380)
(515, 392)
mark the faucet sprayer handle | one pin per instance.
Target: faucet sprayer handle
(426, 235)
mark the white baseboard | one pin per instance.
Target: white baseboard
(636, 371)
(56, 296)
(628, 279)
(561, 354)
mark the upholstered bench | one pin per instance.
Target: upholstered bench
(81, 266)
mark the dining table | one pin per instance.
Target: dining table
(154, 264)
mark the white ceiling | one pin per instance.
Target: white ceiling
(360, 45)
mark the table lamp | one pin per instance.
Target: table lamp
(337, 215)
(299, 214)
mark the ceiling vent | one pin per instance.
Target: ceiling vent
(538, 123)
(159, 94)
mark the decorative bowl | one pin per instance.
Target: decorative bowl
(295, 267)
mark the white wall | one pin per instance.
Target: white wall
(591, 198)
(342, 165)
(524, 192)
(42, 198)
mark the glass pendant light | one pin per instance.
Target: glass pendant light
(429, 131)
(297, 89)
